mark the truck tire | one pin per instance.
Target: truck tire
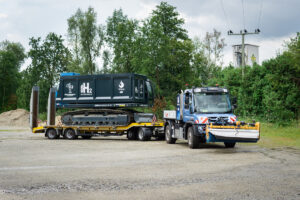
(193, 140)
(70, 134)
(168, 136)
(52, 134)
(142, 136)
(229, 144)
(131, 134)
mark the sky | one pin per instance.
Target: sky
(278, 20)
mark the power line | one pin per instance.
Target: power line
(226, 18)
(243, 13)
(260, 13)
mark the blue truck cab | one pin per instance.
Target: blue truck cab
(196, 108)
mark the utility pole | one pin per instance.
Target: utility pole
(243, 33)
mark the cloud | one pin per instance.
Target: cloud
(3, 16)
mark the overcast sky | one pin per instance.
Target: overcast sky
(278, 20)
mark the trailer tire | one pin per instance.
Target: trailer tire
(52, 134)
(70, 134)
(142, 135)
(229, 144)
(193, 140)
(168, 136)
(131, 134)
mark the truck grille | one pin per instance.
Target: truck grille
(215, 119)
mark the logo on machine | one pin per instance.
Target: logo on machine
(85, 89)
(70, 88)
(121, 87)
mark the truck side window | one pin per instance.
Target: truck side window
(187, 101)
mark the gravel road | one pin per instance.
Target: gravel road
(33, 167)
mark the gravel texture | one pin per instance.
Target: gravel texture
(33, 167)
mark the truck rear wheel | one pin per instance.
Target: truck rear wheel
(142, 135)
(52, 134)
(229, 144)
(192, 139)
(70, 134)
(168, 136)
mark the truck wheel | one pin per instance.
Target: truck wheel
(168, 136)
(52, 134)
(229, 144)
(192, 139)
(70, 134)
(142, 136)
(131, 134)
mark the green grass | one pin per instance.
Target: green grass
(279, 136)
(274, 135)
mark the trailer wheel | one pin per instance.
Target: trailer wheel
(192, 139)
(131, 134)
(70, 134)
(52, 134)
(168, 136)
(229, 144)
(142, 135)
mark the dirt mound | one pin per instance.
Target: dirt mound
(16, 118)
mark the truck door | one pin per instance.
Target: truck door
(187, 105)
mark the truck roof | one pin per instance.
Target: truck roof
(208, 90)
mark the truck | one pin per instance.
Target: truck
(98, 105)
(204, 115)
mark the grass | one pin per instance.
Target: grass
(273, 135)
(278, 136)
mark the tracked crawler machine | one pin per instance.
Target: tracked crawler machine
(100, 105)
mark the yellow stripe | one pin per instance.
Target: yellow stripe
(41, 129)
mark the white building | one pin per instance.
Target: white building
(251, 54)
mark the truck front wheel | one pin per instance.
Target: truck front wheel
(168, 136)
(192, 139)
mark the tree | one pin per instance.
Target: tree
(49, 58)
(121, 36)
(86, 38)
(12, 56)
(165, 50)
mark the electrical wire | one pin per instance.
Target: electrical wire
(260, 13)
(226, 18)
(243, 14)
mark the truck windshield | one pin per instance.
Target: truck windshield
(212, 102)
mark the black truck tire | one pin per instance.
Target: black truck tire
(229, 144)
(52, 134)
(168, 136)
(193, 140)
(142, 135)
(131, 134)
(70, 134)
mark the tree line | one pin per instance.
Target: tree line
(158, 47)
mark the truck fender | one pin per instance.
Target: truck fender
(186, 127)
(170, 123)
